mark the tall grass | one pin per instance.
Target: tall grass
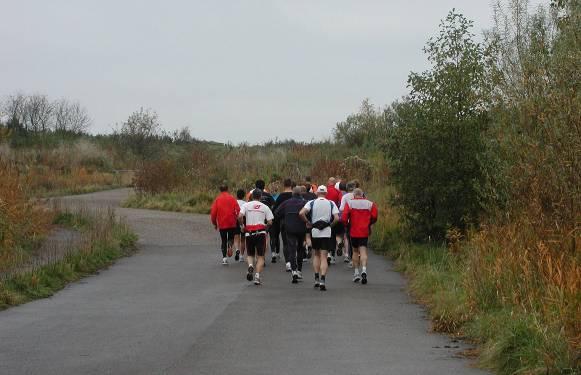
(22, 222)
(71, 167)
(188, 183)
(103, 239)
(520, 303)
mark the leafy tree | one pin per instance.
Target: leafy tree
(140, 132)
(365, 128)
(437, 148)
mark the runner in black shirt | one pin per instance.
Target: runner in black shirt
(294, 231)
(278, 226)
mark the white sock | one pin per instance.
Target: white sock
(364, 269)
(356, 271)
(251, 265)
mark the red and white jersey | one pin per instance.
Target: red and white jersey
(346, 198)
(256, 214)
(359, 213)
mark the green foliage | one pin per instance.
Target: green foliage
(437, 146)
(513, 341)
(367, 128)
(44, 281)
(192, 202)
(71, 220)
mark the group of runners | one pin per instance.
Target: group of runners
(316, 223)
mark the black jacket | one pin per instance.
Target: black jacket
(288, 211)
(267, 199)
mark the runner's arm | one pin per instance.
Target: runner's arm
(213, 214)
(335, 213)
(374, 214)
(345, 214)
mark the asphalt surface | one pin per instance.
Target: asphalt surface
(173, 309)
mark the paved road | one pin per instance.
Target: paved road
(172, 309)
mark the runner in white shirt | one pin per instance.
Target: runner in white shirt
(258, 218)
(324, 214)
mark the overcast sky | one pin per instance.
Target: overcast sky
(230, 70)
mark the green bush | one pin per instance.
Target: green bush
(437, 148)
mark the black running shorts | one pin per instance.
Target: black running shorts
(338, 229)
(256, 245)
(323, 243)
(357, 242)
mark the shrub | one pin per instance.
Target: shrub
(157, 177)
(437, 147)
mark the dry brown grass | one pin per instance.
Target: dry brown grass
(521, 264)
(45, 181)
(22, 222)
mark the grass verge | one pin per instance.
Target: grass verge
(104, 239)
(510, 338)
(197, 202)
(76, 190)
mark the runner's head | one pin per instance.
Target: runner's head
(297, 191)
(322, 191)
(256, 194)
(260, 185)
(288, 184)
(303, 188)
(358, 193)
(223, 187)
(350, 186)
(240, 194)
(331, 181)
(343, 186)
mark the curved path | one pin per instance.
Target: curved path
(172, 309)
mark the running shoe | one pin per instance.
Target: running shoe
(322, 286)
(250, 272)
(295, 278)
(288, 267)
(230, 251)
(356, 278)
(340, 249)
(329, 260)
(237, 256)
(364, 278)
(317, 283)
(257, 279)
(350, 264)
(224, 261)
(346, 259)
(333, 260)
(241, 259)
(273, 260)
(300, 275)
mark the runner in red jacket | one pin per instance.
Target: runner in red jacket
(334, 195)
(224, 217)
(360, 214)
